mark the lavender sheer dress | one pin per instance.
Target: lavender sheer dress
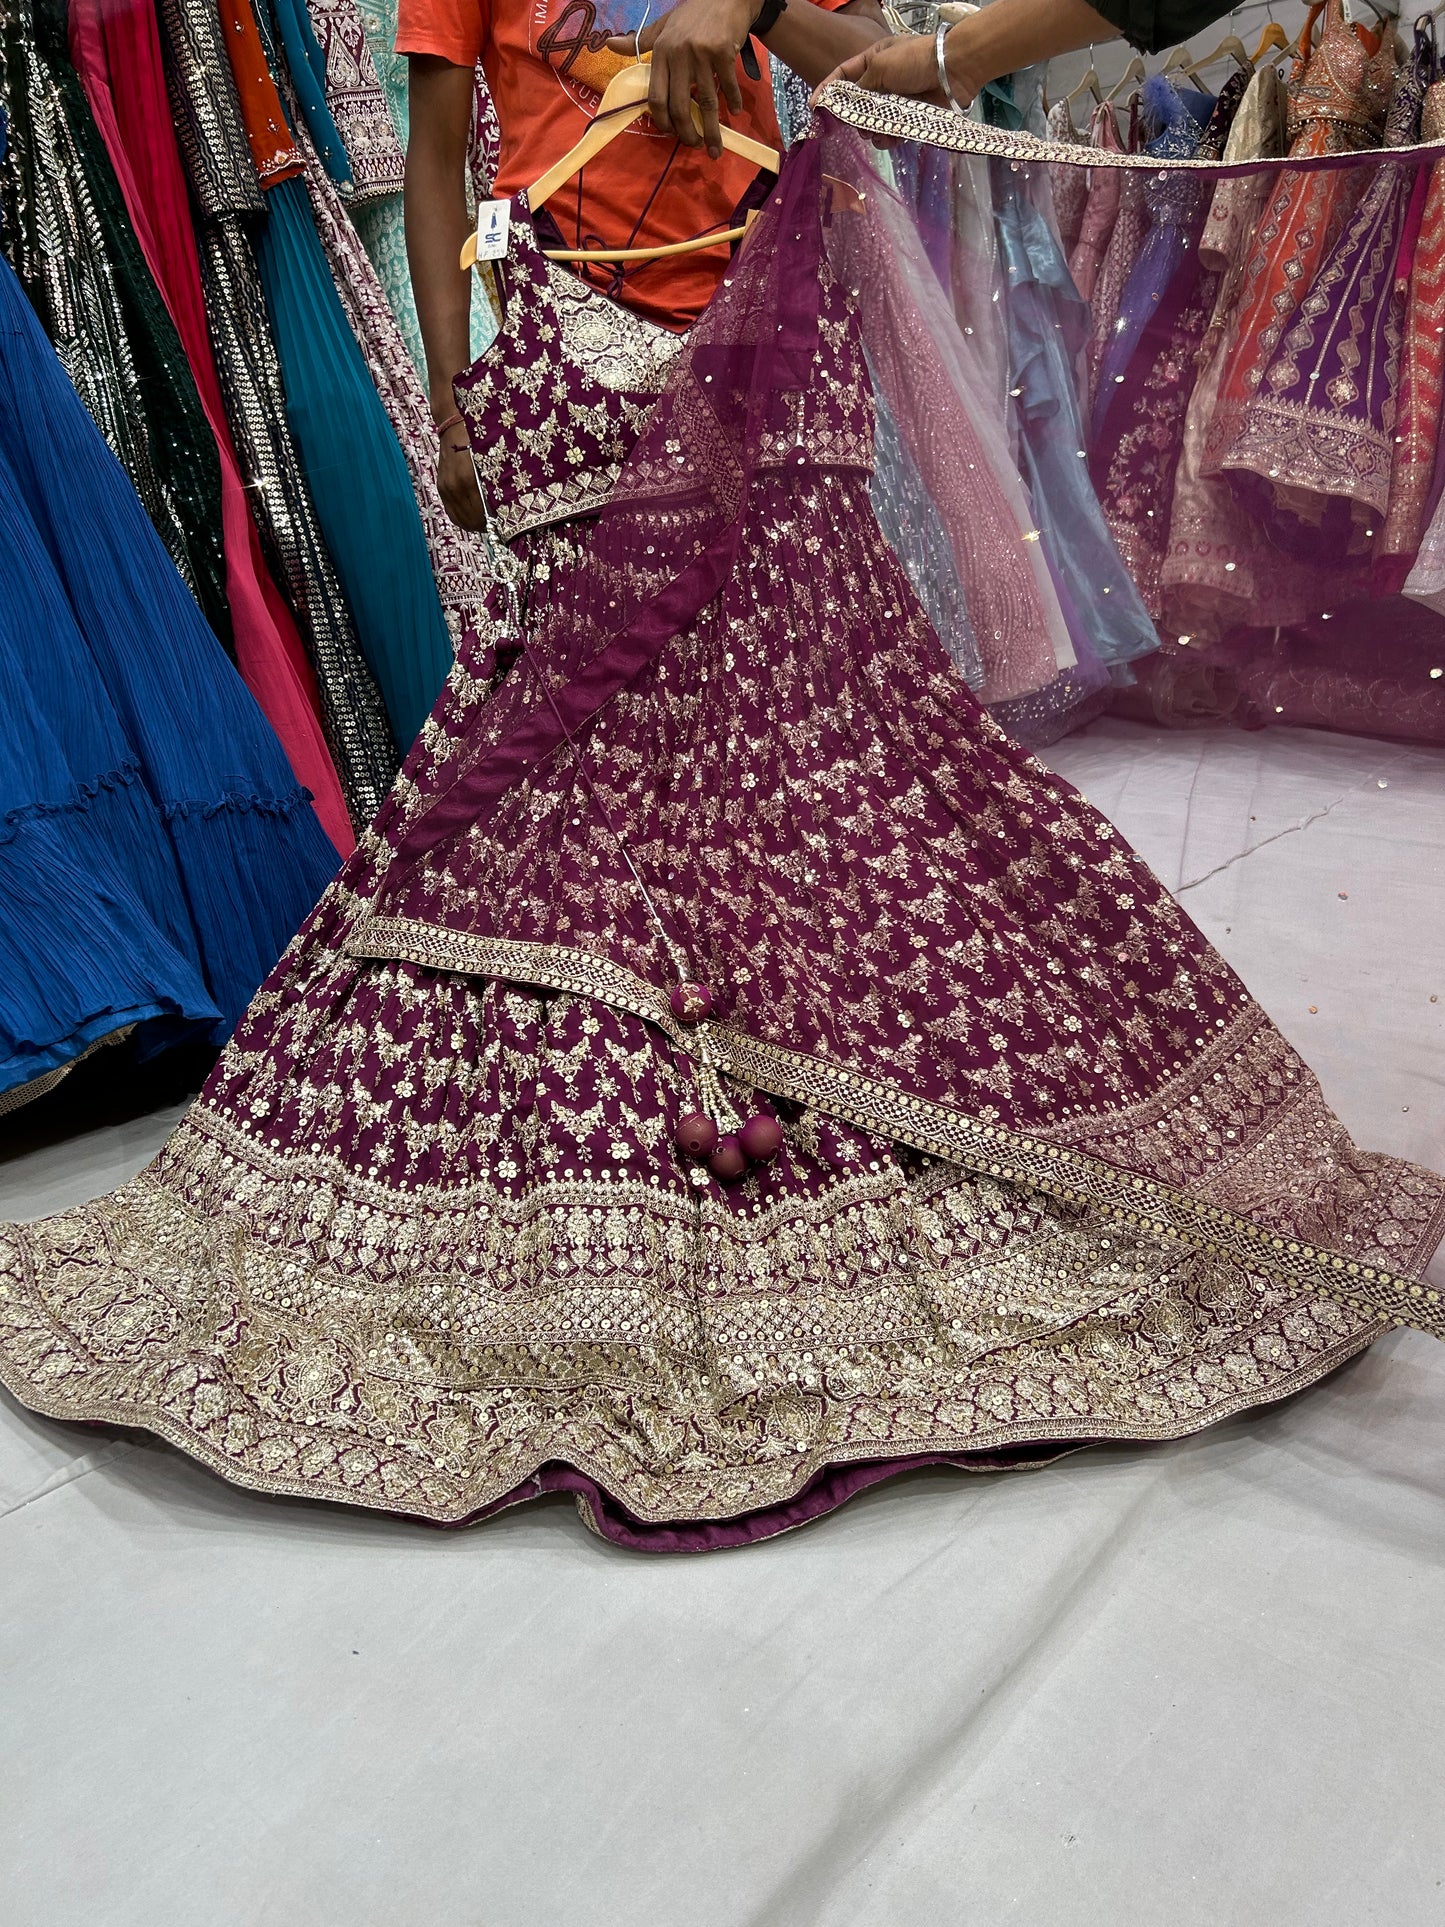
(426, 1242)
(1150, 368)
(1047, 326)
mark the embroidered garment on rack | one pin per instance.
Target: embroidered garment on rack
(117, 53)
(1150, 365)
(1209, 299)
(67, 234)
(229, 202)
(359, 478)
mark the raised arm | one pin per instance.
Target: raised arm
(695, 52)
(437, 225)
(1009, 34)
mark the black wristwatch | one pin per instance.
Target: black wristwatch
(763, 23)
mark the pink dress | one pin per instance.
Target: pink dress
(118, 57)
(1100, 210)
(1071, 184)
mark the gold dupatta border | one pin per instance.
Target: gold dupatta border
(938, 1130)
(896, 118)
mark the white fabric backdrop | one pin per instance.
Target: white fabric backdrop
(1201, 1684)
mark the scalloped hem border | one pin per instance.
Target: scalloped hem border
(480, 1502)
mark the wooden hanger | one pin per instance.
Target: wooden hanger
(1133, 75)
(623, 103)
(1274, 36)
(1090, 84)
(629, 89)
(659, 253)
(1230, 48)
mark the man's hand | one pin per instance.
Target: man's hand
(904, 64)
(457, 481)
(694, 55)
(1001, 38)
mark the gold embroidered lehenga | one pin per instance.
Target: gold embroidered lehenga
(432, 1241)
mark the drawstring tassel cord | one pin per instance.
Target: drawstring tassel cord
(714, 1135)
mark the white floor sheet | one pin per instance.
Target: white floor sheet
(1201, 1685)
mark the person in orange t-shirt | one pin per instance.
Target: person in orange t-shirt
(546, 63)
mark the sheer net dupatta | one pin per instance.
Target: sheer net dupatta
(767, 381)
(1257, 393)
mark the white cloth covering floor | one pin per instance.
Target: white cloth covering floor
(1197, 1684)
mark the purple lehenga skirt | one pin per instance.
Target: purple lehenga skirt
(426, 1242)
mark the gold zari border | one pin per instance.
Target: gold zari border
(938, 1130)
(915, 120)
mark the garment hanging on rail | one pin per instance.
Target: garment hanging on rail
(366, 84)
(354, 468)
(68, 237)
(156, 851)
(1314, 448)
(1101, 207)
(460, 559)
(1338, 100)
(1422, 376)
(1212, 543)
(1071, 189)
(229, 203)
(1149, 370)
(117, 53)
(1045, 327)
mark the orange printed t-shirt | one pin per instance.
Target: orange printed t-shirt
(546, 63)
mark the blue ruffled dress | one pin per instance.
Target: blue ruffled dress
(156, 853)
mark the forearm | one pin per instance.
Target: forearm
(1010, 34)
(813, 41)
(437, 222)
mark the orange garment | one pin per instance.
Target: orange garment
(275, 154)
(546, 63)
(1337, 100)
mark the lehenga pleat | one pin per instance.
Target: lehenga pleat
(244, 852)
(355, 471)
(358, 477)
(354, 715)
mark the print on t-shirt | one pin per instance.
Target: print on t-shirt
(573, 43)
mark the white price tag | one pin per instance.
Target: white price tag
(494, 225)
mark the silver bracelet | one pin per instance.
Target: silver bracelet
(952, 98)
